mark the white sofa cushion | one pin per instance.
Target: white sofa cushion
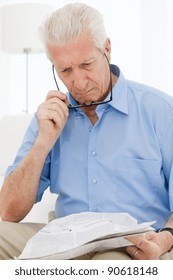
(12, 129)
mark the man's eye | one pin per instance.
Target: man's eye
(87, 65)
(65, 70)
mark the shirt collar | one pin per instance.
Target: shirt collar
(119, 92)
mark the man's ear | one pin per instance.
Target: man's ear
(108, 48)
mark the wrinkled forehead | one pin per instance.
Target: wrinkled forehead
(73, 52)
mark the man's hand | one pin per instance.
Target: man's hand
(149, 246)
(52, 116)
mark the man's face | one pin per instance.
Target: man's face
(82, 68)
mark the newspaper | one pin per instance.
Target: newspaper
(78, 234)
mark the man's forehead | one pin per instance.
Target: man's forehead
(65, 58)
(79, 47)
(75, 62)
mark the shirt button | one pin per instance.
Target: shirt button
(93, 154)
(94, 181)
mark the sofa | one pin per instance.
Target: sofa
(12, 129)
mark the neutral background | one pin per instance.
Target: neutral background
(141, 33)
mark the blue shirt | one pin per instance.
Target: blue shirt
(121, 164)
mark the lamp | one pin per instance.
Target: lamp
(19, 27)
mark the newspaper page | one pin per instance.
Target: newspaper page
(78, 234)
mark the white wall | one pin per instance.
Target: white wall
(142, 46)
(154, 42)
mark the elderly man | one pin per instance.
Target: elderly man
(105, 146)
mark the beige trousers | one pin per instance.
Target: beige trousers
(13, 238)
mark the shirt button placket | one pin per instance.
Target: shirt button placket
(92, 173)
(94, 181)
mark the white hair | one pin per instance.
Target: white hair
(68, 23)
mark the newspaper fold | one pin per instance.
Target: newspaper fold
(78, 234)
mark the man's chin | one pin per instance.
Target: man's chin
(87, 103)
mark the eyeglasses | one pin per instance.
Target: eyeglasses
(93, 102)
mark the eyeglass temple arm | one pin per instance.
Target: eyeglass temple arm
(53, 70)
(110, 75)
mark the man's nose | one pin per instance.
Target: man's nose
(80, 79)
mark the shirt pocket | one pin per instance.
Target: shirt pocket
(136, 180)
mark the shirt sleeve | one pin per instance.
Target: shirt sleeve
(167, 151)
(28, 141)
(158, 112)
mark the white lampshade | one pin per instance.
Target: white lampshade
(19, 27)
